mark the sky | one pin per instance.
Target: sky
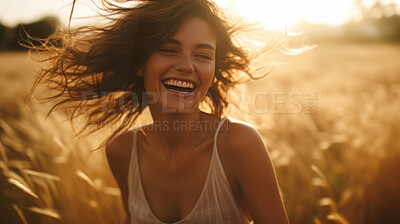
(273, 14)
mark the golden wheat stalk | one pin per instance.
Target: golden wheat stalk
(336, 217)
(42, 175)
(20, 214)
(22, 187)
(45, 211)
(86, 178)
(321, 181)
(3, 153)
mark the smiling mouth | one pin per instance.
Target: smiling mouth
(179, 86)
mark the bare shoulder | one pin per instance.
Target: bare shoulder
(242, 138)
(118, 151)
(242, 145)
(118, 145)
(254, 172)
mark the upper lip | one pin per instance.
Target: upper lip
(181, 79)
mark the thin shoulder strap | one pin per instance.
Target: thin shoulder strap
(133, 152)
(218, 128)
(134, 136)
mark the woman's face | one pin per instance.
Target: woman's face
(178, 75)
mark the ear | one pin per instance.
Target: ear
(140, 72)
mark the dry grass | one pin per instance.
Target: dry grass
(351, 136)
(48, 175)
(336, 158)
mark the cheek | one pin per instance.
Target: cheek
(154, 68)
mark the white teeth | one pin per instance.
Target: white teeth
(182, 84)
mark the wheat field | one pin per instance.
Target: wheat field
(330, 118)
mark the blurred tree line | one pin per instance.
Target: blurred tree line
(10, 37)
(378, 23)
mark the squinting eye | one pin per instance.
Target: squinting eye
(203, 56)
(169, 50)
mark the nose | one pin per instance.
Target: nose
(184, 64)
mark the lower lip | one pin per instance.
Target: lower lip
(178, 93)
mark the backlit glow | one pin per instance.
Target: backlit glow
(277, 14)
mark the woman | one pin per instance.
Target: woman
(188, 166)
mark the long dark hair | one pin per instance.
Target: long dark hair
(93, 71)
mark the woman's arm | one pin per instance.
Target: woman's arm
(118, 161)
(256, 175)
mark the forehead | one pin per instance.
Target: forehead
(195, 30)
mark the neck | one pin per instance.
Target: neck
(179, 132)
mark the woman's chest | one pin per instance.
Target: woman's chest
(172, 189)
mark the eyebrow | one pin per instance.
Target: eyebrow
(205, 46)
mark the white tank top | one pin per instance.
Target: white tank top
(216, 204)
